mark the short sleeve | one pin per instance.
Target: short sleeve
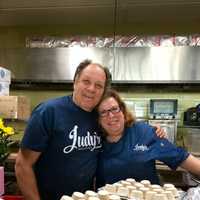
(39, 129)
(168, 153)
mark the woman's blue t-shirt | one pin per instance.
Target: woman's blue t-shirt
(134, 155)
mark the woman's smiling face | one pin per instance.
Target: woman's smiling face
(111, 118)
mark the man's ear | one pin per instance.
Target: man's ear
(75, 82)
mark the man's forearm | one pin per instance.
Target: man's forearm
(27, 183)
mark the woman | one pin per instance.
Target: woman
(131, 148)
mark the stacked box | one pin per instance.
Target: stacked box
(5, 79)
(15, 107)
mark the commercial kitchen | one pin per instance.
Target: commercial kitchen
(151, 49)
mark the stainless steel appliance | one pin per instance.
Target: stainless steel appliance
(164, 112)
(192, 116)
(193, 140)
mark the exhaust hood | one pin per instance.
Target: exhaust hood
(129, 65)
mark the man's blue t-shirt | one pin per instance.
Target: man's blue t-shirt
(134, 155)
(67, 137)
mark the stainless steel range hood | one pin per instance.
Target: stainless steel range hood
(51, 65)
(157, 64)
(132, 65)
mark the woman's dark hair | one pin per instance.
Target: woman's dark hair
(128, 116)
(87, 62)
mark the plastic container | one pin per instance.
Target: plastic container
(193, 140)
(11, 197)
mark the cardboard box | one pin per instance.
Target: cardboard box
(15, 107)
(5, 75)
(4, 88)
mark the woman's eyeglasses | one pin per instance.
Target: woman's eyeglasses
(113, 110)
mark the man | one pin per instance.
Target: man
(58, 153)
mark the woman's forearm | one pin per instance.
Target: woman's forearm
(192, 164)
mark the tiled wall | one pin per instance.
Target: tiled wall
(141, 99)
(188, 138)
(185, 100)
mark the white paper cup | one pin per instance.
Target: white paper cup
(125, 183)
(78, 195)
(159, 197)
(93, 198)
(110, 188)
(138, 185)
(103, 195)
(168, 185)
(123, 191)
(114, 197)
(149, 195)
(137, 194)
(169, 195)
(131, 180)
(146, 183)
(155, 186)
(65, 197)
(90, 193)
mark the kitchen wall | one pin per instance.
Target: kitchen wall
(185, 100)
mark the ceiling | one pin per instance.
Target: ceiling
(116, 13)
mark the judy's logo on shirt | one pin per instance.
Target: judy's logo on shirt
(140, 148)
(90, 141)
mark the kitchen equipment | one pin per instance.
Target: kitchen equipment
(163, 108)
(163, 112)
(195, 178)
(192, 116)
(193, 140)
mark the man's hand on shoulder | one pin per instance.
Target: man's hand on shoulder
(160, 132)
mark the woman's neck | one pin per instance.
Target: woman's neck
(114, 138)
